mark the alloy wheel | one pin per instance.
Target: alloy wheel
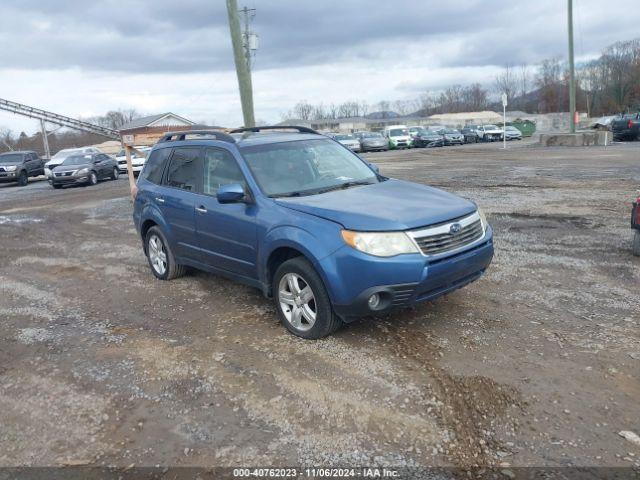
(157, 255)
(297, 301)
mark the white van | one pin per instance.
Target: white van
(398, 136)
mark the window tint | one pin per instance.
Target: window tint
(220, 168)
(154, 167)
(184, 169)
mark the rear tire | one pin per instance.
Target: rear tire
(23, 179)
(56, 186)
(636, 243)
(161, 260)
(300, 271)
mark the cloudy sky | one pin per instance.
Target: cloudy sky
(83, 58)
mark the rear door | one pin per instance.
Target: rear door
(182, 181)
(226, 232)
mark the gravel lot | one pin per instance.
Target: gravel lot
(538, 363)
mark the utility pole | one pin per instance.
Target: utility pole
(572, 79)
(242, 63)
(45, 140)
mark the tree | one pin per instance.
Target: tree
(506, 82)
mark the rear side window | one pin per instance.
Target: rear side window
(184, 170)
(220, 168)
(154, 167)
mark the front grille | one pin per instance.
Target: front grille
(63, 174)
(440, 239)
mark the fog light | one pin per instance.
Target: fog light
(374, 301)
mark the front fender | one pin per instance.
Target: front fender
(314, 244)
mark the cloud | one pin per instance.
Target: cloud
(75, 56)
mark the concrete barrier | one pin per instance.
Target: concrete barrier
(580, 139)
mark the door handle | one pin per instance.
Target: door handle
(201, 209)
(159, 200)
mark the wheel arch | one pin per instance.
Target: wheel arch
(289, 243)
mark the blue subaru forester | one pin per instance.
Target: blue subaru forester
(307, 221)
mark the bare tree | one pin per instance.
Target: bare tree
(506, 82)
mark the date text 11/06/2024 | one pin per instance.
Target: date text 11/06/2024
(364, 472)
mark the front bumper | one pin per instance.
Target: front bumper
(401, 281)
(122, 167)
(375, 146)
(6, 177)
(69, 179)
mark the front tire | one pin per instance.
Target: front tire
(115, 173)
(23, 179)
(302, 302)
(636, 243)
(160, 257)
(93, 178)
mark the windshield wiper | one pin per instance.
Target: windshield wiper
(290, 194)
(345, 185)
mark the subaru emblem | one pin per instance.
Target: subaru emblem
(455, 228)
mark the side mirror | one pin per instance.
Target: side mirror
(231, 193)
(375, 168)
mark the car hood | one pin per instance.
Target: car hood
(385, 206)
(69, 168)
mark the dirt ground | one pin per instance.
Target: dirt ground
(536, 364)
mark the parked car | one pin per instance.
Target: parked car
(397, 136)
(371, 141)
(59, 157)
(470, 133)
(426, 138)
(137, 161)
(19, 166)
(84, 169)
(348, 141)
(311, 224)
(512, 133)
(626, 127)
(489, 133)
(635, 224)
(452, 136)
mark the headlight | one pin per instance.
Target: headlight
(11, 168)
(382, 244)
(483, 219)
(82, 171)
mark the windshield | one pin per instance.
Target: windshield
(77, 160)
(344, 137)
(451, 131)
(398, 132)
(305, 167)
(491, 127)
(371, 135)
(11, 159)
(65, 153)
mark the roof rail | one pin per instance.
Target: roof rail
(217, 134)
(274, 127)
